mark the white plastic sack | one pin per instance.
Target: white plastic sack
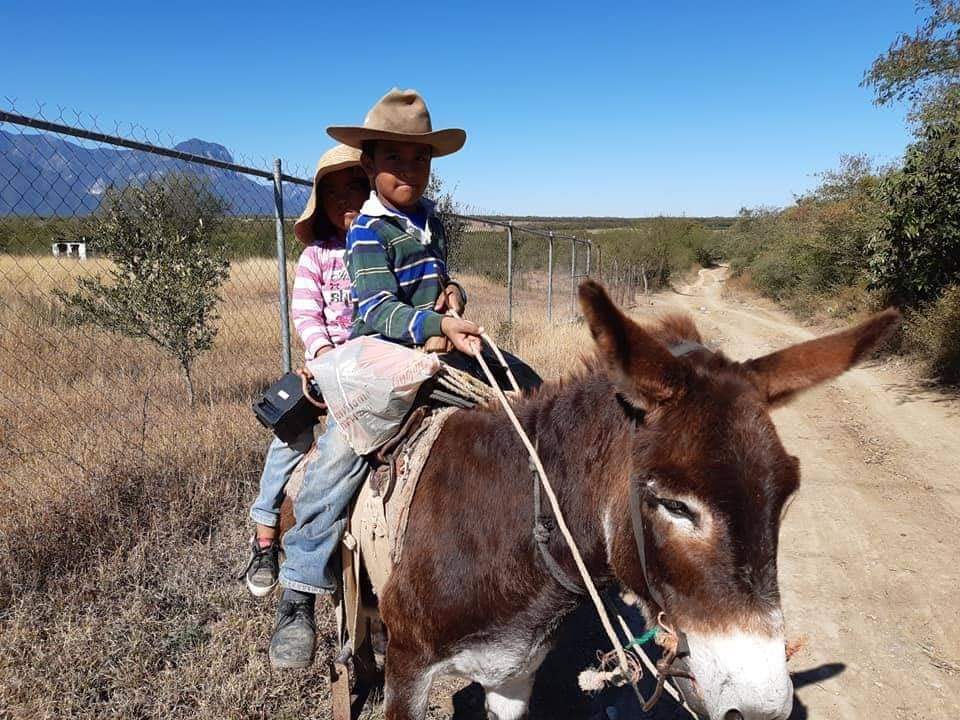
(369, 386)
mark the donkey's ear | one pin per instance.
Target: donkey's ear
(781, 375)
(643, 367)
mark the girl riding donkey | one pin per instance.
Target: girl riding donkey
(322, 313)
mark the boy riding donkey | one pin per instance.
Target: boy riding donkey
(396, 258)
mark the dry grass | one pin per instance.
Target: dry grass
(123, 513)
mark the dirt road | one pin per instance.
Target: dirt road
(870, 548)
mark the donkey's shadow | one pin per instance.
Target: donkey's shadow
(556, 693)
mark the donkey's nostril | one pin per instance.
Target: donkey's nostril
(733, 715)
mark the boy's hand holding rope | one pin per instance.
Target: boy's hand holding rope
(464, 335)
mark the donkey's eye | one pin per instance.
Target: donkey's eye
(631, 411)
(678, 509)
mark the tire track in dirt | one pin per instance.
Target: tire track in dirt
(870, 558)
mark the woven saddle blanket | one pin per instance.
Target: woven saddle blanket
(378, 517)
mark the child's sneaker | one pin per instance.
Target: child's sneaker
(263, 567)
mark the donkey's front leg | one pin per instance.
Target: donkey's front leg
(510, 699)
(408, 680)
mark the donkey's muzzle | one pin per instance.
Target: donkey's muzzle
(738, 676)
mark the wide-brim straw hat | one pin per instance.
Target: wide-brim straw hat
(401, 116)
(339, 157)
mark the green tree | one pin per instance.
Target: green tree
(915, 253)
(168, 268)
(923, 67)
(449, 210)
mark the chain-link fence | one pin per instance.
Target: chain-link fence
(200, 326)
(528, 274)
(66, 183)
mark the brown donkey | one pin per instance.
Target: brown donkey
(688, 433)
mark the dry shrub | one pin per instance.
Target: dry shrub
(841, 303)
(849, 301)
(550, 349)
(933, 332)
(739, 282)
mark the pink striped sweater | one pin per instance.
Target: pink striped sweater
(321, 307)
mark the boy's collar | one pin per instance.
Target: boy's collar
(375, 207)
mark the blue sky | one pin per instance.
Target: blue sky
(588, 108)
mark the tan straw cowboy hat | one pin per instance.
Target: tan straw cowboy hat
(339, 157)
(402, 116)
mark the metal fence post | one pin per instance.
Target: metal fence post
(282, 266)
(510, 272)
(573, 277)
(589, 256)
(550, 277)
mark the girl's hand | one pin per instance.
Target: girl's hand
(306, 376)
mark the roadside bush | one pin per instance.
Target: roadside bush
(916, 251)
(933, 332)
(706, 256)
(663, 247)
(816, 246)
(754, 231)
(775, 274)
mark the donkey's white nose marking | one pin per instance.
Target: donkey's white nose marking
(742, 673)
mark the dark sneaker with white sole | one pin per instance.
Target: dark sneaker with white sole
(293, 639)
(263, 568)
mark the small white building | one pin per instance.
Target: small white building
(70, 248)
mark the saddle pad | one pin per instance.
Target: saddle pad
(374, 520)
(410, 460)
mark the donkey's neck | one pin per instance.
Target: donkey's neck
(582, 436)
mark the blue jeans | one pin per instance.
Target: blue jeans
(331, 482)
(278, 466)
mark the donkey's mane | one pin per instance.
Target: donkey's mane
(672, 329)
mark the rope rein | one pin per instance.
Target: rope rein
(628, 671)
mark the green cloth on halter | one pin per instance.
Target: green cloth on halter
(646, 637)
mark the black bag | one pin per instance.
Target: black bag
(284, 409)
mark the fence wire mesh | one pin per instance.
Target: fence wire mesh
(69, 389)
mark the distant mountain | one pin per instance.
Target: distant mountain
(196, 146)
(45, 175)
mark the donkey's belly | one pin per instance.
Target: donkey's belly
(496, 661)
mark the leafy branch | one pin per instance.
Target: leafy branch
(168, 267)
